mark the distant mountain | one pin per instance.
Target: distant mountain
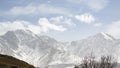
(42, 51)
(11, 62)
(99, 44)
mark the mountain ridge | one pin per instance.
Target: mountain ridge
(41, 50)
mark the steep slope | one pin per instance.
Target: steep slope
(11, 62)
(23, 44)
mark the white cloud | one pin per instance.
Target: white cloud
(69, 22)
(57, 19)
(96, 4)
(35, 29)
(114, 29)
(85, 18)
(8, 26)
(37, 9)
(43, 26)
(62, 20)
(46, 25)
(92, 4)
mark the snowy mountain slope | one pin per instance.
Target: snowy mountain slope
(99, 44)
(23, 44)
(42, 51)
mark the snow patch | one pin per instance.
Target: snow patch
(106, 36)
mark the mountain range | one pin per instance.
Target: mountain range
(42, 51)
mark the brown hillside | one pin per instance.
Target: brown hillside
(11, 62)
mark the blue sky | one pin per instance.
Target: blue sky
(64, 20)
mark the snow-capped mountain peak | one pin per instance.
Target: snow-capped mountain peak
(99, 44)
(103, 35)
(106, 36)
(27, 46)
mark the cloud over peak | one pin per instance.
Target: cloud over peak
(46, 25)
(62, 20)
(43, 26)
(85, 18)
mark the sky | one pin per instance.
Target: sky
(64, 20)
